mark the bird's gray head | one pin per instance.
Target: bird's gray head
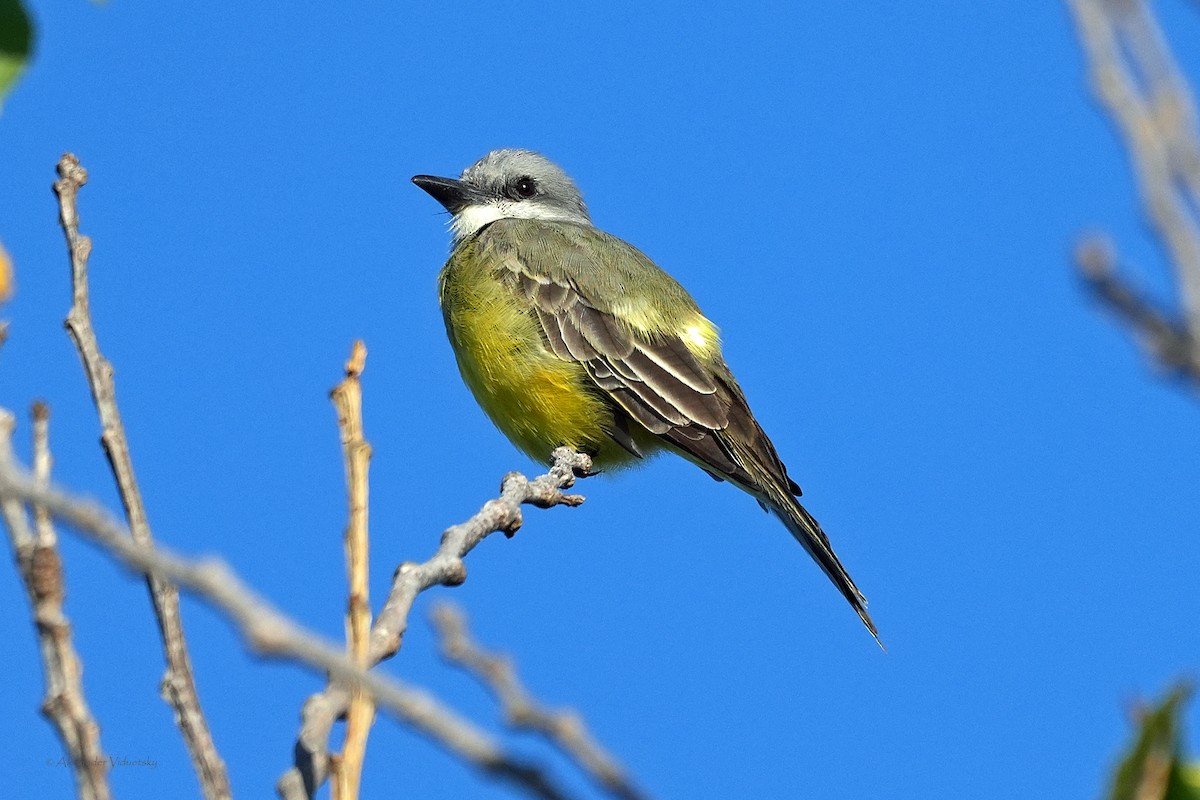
(507, 184)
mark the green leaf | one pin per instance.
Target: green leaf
(1153, 769)
(1190, 774)
(16, 41)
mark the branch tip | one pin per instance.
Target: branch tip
(358, 359)
(1094, 257)
(71, 171)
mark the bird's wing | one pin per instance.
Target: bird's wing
(654, 377)
(690, 402)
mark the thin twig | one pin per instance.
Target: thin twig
(42, 463)
(347, 399)
(40, 567)
(1167, 340)
(444, 568)
(1135, 78)
(563, 727)
(178, 686)
(270, 633)
(19, 531)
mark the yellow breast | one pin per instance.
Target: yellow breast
(536, 399)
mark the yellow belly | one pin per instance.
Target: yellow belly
(537, 400)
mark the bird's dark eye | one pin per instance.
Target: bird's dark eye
(523, 188)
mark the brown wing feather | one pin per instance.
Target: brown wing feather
(658, 382)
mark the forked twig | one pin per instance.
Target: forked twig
(40, 567)
(444, 568)
(563, 727)
(1135, 78)
(271, 633)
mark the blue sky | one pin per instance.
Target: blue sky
(877, 205)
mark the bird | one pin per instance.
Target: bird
(569, 336)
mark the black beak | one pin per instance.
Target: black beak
(453, 194)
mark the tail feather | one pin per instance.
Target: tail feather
(808, 533)
(756, 469)
(742, 454)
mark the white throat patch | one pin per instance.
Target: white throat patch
(468, 221)
(474, 217)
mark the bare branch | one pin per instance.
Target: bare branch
(347, 398)
(40, 567)
(1136, 79)
(178, 686)
(270, 633)
(445, 568)
(565, 728)
(42, 462)
(1167, 341)
(15, 519)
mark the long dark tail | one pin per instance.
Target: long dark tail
(741, 453)
(754, 467)
(808, 533)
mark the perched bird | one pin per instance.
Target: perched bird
(569, 336)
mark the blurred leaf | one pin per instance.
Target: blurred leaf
(6, 275)
(1153, 769)
(1191, 776)
(16, 39)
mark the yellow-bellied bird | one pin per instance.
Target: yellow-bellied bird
(570, 337)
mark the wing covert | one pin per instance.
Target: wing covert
(656, 379)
